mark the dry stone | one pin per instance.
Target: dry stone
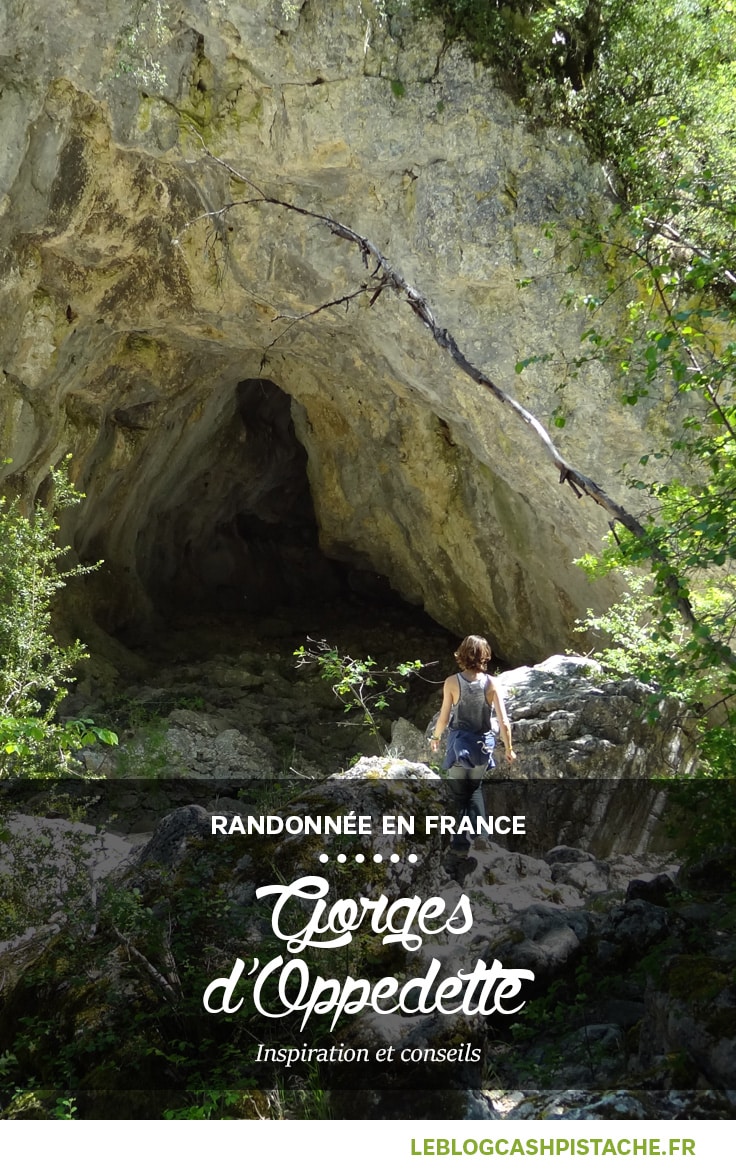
(135, 326)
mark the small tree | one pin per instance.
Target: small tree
(35, 672)
(659, 649)
(358, 682)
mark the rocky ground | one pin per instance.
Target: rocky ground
(632, 1012)
(222, 697)
(115, 907)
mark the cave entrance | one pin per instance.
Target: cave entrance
(248, 538)
(239, 533)
(227, 563)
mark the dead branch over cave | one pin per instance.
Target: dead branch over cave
(385, 276)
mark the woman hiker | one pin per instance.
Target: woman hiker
(471, 692)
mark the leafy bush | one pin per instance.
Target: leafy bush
(357, 682)
(46, 871)
(658, 648)
(35, 671)
(625, 73)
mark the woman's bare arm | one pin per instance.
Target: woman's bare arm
(450, 694)
(494, 697)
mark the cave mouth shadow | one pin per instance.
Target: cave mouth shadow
(234, 535)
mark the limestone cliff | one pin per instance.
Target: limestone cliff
(135, 328)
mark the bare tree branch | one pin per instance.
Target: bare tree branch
(168, 990)
(344, 300)
(579, 483)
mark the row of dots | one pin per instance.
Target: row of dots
(377, 857)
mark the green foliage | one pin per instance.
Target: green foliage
(530, 42)
(42, 870)
(35, 671)
(640, 648)
(112, 1009)
(212, 1104)
(651, 86)
(679, 348)
(356, 682)
(705, 808)
(65, 1108)
(148, 755)
(653, 645)
(630, 75)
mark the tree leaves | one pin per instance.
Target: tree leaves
(35, 671)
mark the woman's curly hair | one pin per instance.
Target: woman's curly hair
(473, 653)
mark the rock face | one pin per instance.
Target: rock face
(588, 753)
(570, 720)
(601, 741)
(228, 446)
